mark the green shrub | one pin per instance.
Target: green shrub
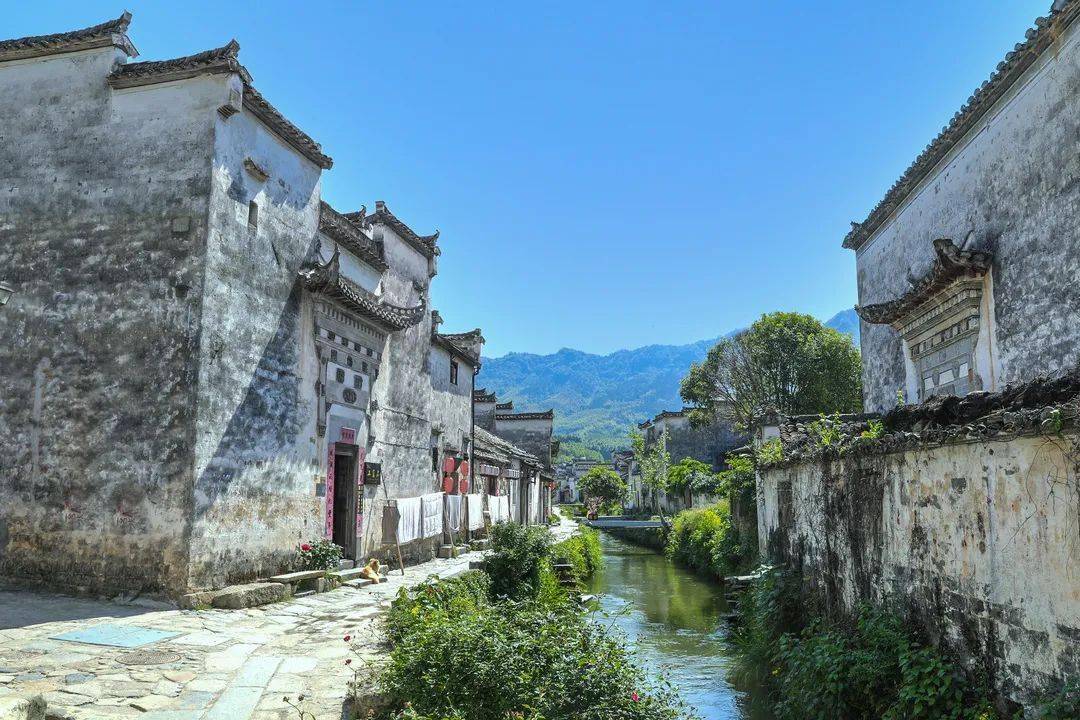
(706, 541)
(692, 536)
(1065, 705)
(518, 556)
(488, 661)
(319, 555)
(582, 550)
(872, 669)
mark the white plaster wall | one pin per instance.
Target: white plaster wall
(979, 543)
(351, 266)
(102, 220)
(257, 453)
(1011, 186)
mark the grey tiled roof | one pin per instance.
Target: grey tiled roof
(455, 347)
(327, 279)
(339, 228)
(426, 245)
(486, 441)
(1037, 40)
(113, 32)
(222, 60)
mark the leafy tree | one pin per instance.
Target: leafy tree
(693, 475)
(653, 462)
(603, 484)
(787, 361)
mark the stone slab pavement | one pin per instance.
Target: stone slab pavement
(224, 664)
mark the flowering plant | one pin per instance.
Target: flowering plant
(319, 555)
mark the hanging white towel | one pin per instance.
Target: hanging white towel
(453, 512)
(500, 508)
(432, 514)
(476, 511)
(409, 520)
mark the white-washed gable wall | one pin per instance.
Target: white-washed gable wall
(257, 450)
(102, 224)
(1012, 186)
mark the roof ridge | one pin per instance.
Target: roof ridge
(99, 35)
(220, 59)
(426, 245)
(1017, 61)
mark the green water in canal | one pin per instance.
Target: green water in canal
(674, 620)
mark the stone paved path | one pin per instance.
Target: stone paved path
(225, 664)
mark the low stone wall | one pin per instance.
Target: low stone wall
(975, 541)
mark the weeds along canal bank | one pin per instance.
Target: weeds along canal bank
(797, 661)
(510, 640)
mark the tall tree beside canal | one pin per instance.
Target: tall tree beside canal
(787, 361)
(603, 486)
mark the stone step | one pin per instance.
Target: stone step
(347, 575)
(250, 595)
(295, 577)
(346, 564)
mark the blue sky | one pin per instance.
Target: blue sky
(607, 174)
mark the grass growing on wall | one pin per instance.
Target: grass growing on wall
(706, 541)
(498, 644)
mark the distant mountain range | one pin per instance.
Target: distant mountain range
(599, 398)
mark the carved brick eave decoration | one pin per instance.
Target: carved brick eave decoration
(950, 265)
(1016, 63)
(338, 227)
(111, 33)
(327, 280)
(481, 395)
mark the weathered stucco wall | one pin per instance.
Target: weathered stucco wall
(256, 448)
(709, 443)
(405, 412)
(1012, 186)
(977, 543)
(531, 435)
(102, 224)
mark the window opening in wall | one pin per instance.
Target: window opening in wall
(358, 382)
(253, 216)
(369, 352)
(435, 459)
(453, 372)
(340, 375)
(333, 355)
(363, 366)
(330, 335)
(348, 360)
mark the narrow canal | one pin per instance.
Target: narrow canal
(674, 619)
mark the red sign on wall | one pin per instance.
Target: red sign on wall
(330, 493)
